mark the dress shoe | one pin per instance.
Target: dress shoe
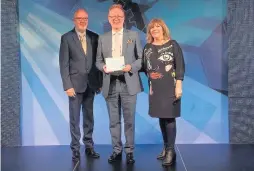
(170, 158)
(75, 156)
(91, 153)
(130, 158)
(162, 155)
(115, 157)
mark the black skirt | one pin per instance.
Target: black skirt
(161, 107)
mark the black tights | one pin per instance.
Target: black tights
(168, 129)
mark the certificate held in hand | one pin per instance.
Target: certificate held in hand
(115, 63)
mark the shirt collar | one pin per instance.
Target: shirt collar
(80, 34)
(119, 32)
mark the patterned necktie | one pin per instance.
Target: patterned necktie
(83, 42)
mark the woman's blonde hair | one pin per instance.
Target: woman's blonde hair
(165, 29)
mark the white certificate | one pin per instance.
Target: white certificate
(115, 63)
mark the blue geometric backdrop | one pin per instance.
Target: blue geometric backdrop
(196, 25)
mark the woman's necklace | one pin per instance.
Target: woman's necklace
(160, 42)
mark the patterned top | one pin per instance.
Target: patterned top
(166, 58)
(166, 62)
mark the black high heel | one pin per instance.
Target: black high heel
(170, 158)
(162, 155)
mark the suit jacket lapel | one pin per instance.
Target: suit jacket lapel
(77, 41)
(109, 44)
(124, 44)
(88, 45)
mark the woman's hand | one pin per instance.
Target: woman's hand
(178, 89)
(155, 75)
(151, 90)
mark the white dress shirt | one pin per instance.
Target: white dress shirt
(83, 35)
(117, 43)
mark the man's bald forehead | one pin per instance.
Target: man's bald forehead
(80, 10)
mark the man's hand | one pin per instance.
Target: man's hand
(106, 70)
(178, 89)
(70, 92)
(127, 68)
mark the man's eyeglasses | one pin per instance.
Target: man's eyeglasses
(81, 18)
(118, 17)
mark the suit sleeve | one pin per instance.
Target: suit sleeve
(136, 66)
(144, 61)
(144, 65)
(96, 75)
(99, 56)
(64, 63)
(179, 62)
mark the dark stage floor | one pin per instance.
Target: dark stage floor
(189, 158)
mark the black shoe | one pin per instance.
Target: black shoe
(91, 153)
(75, 156)
(115, 157)
(130, 158)
(162, 155)
(170, 158)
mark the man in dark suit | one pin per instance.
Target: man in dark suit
(81, 80)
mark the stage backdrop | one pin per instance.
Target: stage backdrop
(196, 25)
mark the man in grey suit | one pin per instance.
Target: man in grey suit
(81, 80)
(120, 88)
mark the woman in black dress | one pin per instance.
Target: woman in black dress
(164, 65)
